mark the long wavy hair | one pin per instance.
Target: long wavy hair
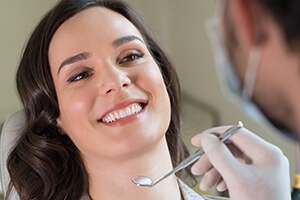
(45, 164)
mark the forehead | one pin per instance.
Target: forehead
(98, 20)
(89, 29)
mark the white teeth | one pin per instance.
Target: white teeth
(138, 108)
(122, 113)
(133, 108)
(129, 110)
(111, 117)
(117, 116)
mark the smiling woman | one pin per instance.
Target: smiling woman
(102, 104)
(97, 92)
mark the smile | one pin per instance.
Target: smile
(122, 113)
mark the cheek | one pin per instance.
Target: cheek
(153, 82)
(150, 79)
(74, 107)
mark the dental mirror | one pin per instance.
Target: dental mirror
(147, 182)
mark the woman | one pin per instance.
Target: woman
(102, 102)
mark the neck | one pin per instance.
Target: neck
(111, 179)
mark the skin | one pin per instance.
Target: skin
(111, 74)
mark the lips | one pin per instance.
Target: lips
(122, 111)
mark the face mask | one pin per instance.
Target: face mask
(230, 85)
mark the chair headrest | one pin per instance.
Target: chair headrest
(10, 133)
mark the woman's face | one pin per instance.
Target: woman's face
(112, 99)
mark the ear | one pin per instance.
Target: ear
(248, 18)
(58, 122)
(59, 126)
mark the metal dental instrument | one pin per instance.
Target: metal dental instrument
(147, 182)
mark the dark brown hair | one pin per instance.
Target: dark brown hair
(44, 163)
(287, 15)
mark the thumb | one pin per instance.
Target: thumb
(220, 156)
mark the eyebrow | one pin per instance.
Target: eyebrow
(85, 55)
(73, 59)
(123, 40)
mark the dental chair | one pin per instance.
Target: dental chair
(10, 133)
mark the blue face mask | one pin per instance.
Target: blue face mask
(230, 83)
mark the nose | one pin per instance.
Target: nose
(113, 80)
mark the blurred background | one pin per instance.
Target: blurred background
(180, 26)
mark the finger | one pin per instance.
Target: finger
(253, 147)
(210, 179)
(201, 166)
(196, 140)
(220, 156)
(221, 186)
(245, 141)
(240, 156)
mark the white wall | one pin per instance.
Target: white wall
(17, 19)
(180, 26)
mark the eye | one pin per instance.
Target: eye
(131, 57)
(79, 76)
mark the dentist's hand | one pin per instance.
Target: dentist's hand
(248, 166)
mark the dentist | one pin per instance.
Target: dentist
(256, 45)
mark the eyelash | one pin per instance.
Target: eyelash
(131, 57)
(85, 74)
(80, 76)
